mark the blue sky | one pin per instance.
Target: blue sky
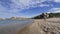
(27, 8)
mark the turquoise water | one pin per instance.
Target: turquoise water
(11, 26)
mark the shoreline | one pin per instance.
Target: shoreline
(12, 28)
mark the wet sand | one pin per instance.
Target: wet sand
(10, 27)
(39, 26)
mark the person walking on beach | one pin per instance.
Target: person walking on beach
(45, 16)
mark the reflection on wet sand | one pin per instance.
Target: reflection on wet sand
(12, 26)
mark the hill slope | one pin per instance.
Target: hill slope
(50, 15)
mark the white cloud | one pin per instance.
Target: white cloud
(25, 4)
(57, 11)
(18, 5)
(57, 1)
(42, 5)
(54, 10)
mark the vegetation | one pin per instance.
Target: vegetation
(54, 15)
(51, 15)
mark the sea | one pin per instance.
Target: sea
(11, 26)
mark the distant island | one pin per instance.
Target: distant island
(14, 18)
(2, 18)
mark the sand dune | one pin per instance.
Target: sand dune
(51, 26)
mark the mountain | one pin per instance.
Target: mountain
(17, 18)
(2, 18)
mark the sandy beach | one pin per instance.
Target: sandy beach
(39, 26)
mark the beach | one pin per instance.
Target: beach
(32, 26)
(39, 26)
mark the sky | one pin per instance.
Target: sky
(27, 8)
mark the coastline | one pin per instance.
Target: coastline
(11, 28)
